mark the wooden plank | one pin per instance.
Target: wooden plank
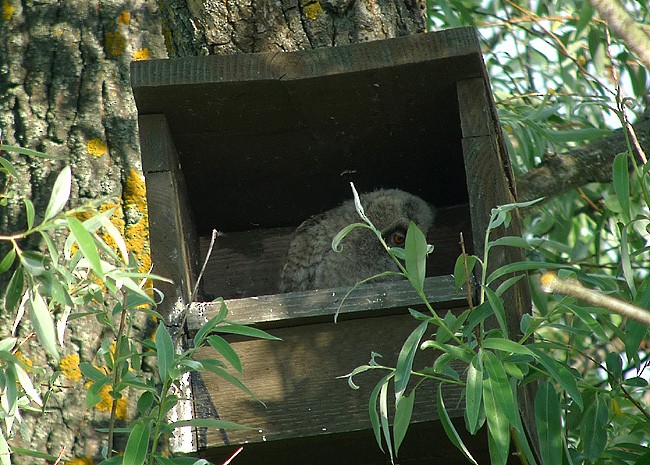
(299, 308)
(297, 380)
(487, 164)
(442, 45)
(174, 250)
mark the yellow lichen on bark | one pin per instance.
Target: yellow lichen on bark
(70, 367)
(8, 10)
(136, 232)
(96, 147)
(124, 18)
(142, 54)
(312, 10)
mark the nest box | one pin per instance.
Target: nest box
(253, 144)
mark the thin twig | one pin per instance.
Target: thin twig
(195, 291)
(227, 462)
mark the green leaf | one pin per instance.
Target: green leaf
(91, 373)
(29, 213)
(336, 242)
(28, 387)
(474, 393)
(165, 351)
(8, 260)
(403, 413)
(201, 334)
(496, 303)
(221, 345)
(60, 193)
(549, 424)
(14, 290)
(593, 429)
(560, 374)
(383, 418)
(5, 457)
(43, 323)
(500, 408)
(86, 243)
(405, 359)
(461, 277)
(588, 320)
(137, 446)
(7, 166)
(506, 345)
(449, 427)
(145, 401)
(372, 410)
(416, 256)
(510, 241)
(243, 330)
(621, 179)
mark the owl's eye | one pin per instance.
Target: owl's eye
(398, 238)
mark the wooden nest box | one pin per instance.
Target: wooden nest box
(253, 144)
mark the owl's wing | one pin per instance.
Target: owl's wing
(308, 248)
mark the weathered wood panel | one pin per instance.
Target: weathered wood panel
(308, 307)
(296, 379)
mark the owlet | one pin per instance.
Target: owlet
(311, 262)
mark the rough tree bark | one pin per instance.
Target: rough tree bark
(222, 27)
(64, 90)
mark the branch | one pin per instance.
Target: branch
(626, 27)
(552, 284)
(580, 166)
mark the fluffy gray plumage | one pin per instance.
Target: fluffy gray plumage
(311, 262)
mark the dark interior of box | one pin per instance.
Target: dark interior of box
(269, 154)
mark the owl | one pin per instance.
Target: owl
(311, 262)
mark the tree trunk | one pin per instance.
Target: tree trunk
(244, 26)
(64, 90)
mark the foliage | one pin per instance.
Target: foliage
(90, 279)
(559, 79)
(589, 408)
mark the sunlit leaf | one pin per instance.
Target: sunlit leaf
(43, 323)
(60, 193)
(86, 243)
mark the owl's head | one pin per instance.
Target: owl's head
(392, 210)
